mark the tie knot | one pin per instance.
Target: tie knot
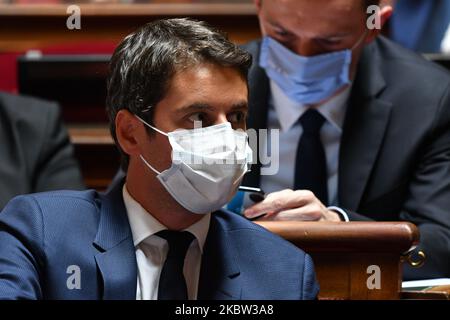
(312, 121)
(179, 242)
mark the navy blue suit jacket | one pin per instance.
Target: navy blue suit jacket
(42, 236)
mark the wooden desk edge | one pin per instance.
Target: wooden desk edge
(151, 9)
(397, 237)
(425, 295)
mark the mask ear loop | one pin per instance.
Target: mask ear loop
(240, 176)
(356, 45)
(247, 165)
(157, 130)
(148, 165)
(150, 126)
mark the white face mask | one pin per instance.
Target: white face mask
(208, 165)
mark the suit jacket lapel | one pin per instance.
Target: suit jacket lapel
(116, 259)
(219, 275)
(259, 93)
(364, 129)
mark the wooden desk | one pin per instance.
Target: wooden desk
(23, 27)
(96, 153)
(342, 252)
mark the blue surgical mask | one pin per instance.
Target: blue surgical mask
(306, 80)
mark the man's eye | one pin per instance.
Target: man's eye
(282, 33)
(198, 116)
(237, 117)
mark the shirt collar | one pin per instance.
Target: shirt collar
(289, 111)
(144, 225)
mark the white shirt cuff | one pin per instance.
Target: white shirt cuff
(341, 212)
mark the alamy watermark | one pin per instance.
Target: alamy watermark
(199, 147)
(374, 18)
(73, 281)
(374, 280)
(73, 22)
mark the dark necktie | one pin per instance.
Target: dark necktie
(172, 284)
(311, 167)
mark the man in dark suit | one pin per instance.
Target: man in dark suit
(364, 124)
(36, 154)
(158, 234)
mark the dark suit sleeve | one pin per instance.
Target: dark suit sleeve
(428, 201)
(428, 204)
(21, 250)
(353, 216)
(57, 167)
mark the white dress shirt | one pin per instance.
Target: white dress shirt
(284, 115)
(151, 250)
(445, 45)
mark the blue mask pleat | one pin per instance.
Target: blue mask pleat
(305, 80)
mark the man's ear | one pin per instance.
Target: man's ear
(384, 14)
(128, 131)
(258, 4)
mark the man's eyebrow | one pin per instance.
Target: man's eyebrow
(195, 107)
(326, 36)
(239, 105)
(276, 25)
(335, 35)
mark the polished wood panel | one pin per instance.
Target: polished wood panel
(342, 253)
(90, 135)
(96, 153)
(426, 295)
(135, 9)
(24, 27)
